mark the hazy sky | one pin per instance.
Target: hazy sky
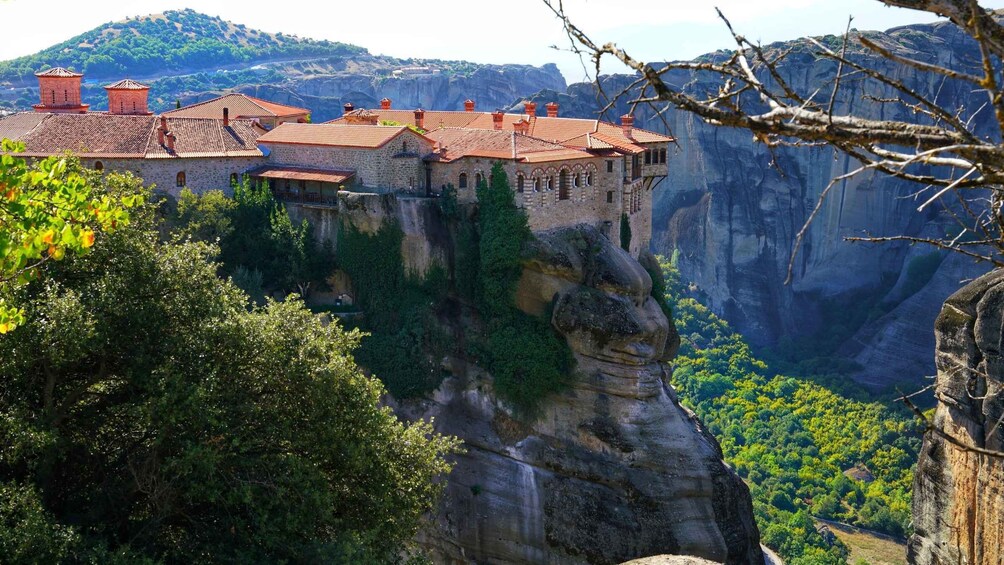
(485, 31)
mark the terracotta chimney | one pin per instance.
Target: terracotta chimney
(226, 117)
(160, 137)
(627, 122)
(163, 123)
(385, 104)
(348, 107)
(468, 105)
(530, 108)
(420, 118)
(170, 142)
(552, 109)
(162, 130)
(497, 117)
(522, 126)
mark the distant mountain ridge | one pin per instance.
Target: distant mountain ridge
(172, 41)
(187, 57)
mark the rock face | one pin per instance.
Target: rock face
(614, 468)
(958, 498)
(732, 210)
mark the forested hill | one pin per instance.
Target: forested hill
(167, 43)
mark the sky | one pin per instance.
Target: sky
(482, 31)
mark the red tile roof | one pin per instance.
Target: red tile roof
(299, 173)
(58, 72)
(127, 84)
(205, 137)
(240, 106)
(617, 142)
(566, 131)
(366, 136)
(122, 136)
(495, 144)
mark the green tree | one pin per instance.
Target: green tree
(167, 420)
(47, 209)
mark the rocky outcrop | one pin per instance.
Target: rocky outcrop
(958, 498)
(732, 209)
(612, 469)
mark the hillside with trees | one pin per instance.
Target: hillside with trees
(166, 43)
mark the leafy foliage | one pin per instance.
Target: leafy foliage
(792, 439)
(527, 359)
(47, 209)
(405, 338)
(171, 41)
(257, 238)
(165, 421)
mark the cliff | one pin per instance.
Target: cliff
(732, 209)
(958, 500)
(614, 468)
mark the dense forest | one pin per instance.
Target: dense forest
(805, 449)
(166, 43)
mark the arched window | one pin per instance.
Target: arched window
(179, 180)
(550, 183)
(536, 184)
(519, 182)
(99, 166)
(463, 180)
(404, 147)
(589, 178)
(478, 179)
(233, 179)
(575, 180)
(563, 192)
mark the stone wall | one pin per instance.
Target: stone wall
(201, 174)
(393, 166)
(587, 203)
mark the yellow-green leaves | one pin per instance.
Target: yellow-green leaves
(46, 211)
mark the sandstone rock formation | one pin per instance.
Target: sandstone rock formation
(732, 210)
(614, 468)
(958, 498)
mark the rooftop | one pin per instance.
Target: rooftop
(566, 131)
(240, 106)
(365, 136)
(125, 136)
(58, 72)
(127, 84)
(496, 144)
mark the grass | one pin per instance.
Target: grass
(869, 547)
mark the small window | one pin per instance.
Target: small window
(575, 180)
(648, 156)
(134, 107)
(662, 155)
(121, 107)
(179, 180)
(478, 179)
(610, 197)
(233, 179)
(519, 183)
(66, 96)
(99, 166)
(404, 147)
(536, 184)
(463, 180)
(589, 179)
(53, 96)
(610, 166)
